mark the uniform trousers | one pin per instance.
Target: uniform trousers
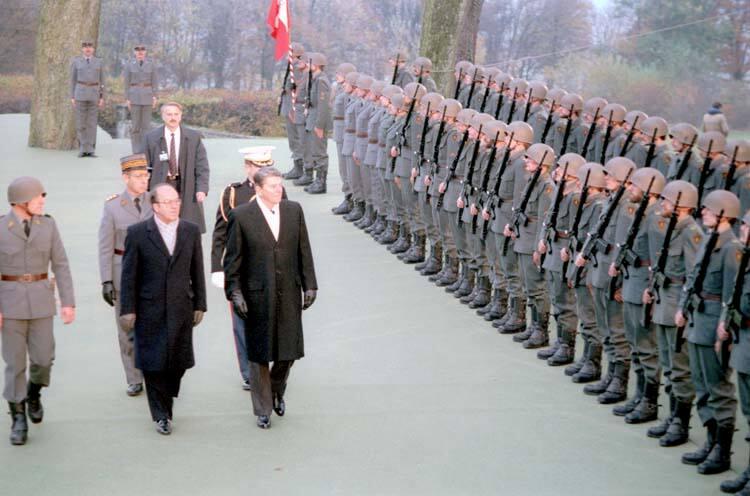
(714, 391)
(493, 258)
(318, 151)
(140, 123)
(743, 384)
(411, 214)
(267, 381)
(162, 387)
(676, 366)
(32, 338)
(636, 335)
(125, 340)
(295, 134)
(586, 314)
(509, 266)
(459, 238)
(355, 178)
(378, 191)
(442, 219)
(563, 306)
(87, 113)
(534, 289)
(425, 212)
(609, 321)
(343, 170)
(366, 172)
(389, 198)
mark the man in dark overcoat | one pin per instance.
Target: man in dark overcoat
(176, 156)
(270, 279)
(163, 296)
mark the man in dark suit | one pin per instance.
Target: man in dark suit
(270, 279)
(176, 156)
(163, 296)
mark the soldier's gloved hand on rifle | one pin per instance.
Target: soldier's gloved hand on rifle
(507, 232)
(564, 254)
(127, 322)
(238, 304)
(647, 297)
(679, 319)
(310, 296)
(486, 215)
(473, 209)
(580, 261)
(108, 292)
(197, 317)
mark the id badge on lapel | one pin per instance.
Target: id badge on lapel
(163, 157)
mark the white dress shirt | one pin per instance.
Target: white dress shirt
(168, 232)
(273, 217)
(168, 139)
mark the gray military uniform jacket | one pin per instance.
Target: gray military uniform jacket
(319, 112)
(339, 109)
(350, 124)
(600, 273)
(361, 129)
(539, 202)
(504, 208)
(86, 79)
(740, 359)
(386, 122)
(286, 99)
(455, 186)
(574, 145)
(33, 256)
(565, 215)
(373, 126)
(635, 278)
(119, 213)
(140, 82)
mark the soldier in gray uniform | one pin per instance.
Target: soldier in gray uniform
(547, 117)
(654, 132)
(656, 350)
(30, 245)
(387, 232)
(626, 141)
(302, 172)
(422, 69)
(361, 139)
(684, 160)
(714, 390)
(120, 211)
(568, 103)
(293, 110)
(613, 115)
(400, 76)
(712, 158)
(591, 128)
(318, 123)
(341, 97)
(537, 117)
(86, 96)
(395, 122)
(141, 84)
(370, 160)
(740, 186)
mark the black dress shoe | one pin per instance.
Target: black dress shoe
(82, 154)
(279, 406)
(264, 422)
(134, 389)
(164, 427)
(92, 155)
(246, 385)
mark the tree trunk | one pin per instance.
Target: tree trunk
(62, 27)
(449, 34)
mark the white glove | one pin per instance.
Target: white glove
(217, 279)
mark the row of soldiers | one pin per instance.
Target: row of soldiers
(541, 206)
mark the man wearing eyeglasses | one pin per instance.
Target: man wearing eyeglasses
(140, 90)
(163, 296)
(120, 212)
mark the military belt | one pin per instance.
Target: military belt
(562, 234)
(24, 277)
(373, 142)
(710, 296)
(361, 135)
(145, 85)
(338, 118)
(350, 131)
(643, 263)
(119, 252)
(88, 84)
(382, 145)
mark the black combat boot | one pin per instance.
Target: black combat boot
(319, 187)
(365, 217)
(658, 431)
(295, 172)
(450, 274)
(516, 321)
(574, 368)
(600, 386)
(564, 355)
(677, 433)
(497, 306)
(509, 310)
(436, 277)
(463, 275)
(467, 285)
(699, 456)
(592, 367)
(648, 408)
(403, 243)
(34, 402)
(738, 484)
(358, 210)
(19, 428)
(412, 247)
(417, 254)
(617, 390)
(720, 458)
(344, 207)
(483, 293)
(378, 227)
(370, 219)
(391, 233)
(435, 263)
(629, 406)
(545, 353)
(540, 336)
(305, 179)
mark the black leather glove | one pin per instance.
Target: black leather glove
(108, 293)
(197, 317)
(310, 296)
(238, 304)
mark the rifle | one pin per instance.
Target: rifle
(607, 136)
(528, 107)
(629, 137)
(512, 109)
(590, 134)
(549, 225)
(651, 151)
(471, 88)
(566, 136)
(395, 70)
(283, 88)
(547, 126)
(693, 300)
(452, 169)
(685, 159)
(731, 315)
(500, 97)
(485, 183)
(494, 200)
(458, 83)
(520, 218)
(436, 151)
(731, 170)
(627, 256)
(573, 244)
(486, 93)
(419, 154)
(468, 188)
(419, 78)
(308, 95)
(658, 279)
(705, 172)
(402, 133)
(594, 241)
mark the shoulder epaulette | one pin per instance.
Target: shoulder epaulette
(48, 215)
(111, 197)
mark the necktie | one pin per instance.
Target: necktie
(137, 202)
(26, 228)
(172, 158)
(88, 60)
(141, 63)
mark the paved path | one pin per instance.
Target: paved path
(402, 391)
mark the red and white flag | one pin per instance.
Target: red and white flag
(278, 21)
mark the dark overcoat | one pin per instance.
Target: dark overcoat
(193, 166)
(272, 276)
(163, 291)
